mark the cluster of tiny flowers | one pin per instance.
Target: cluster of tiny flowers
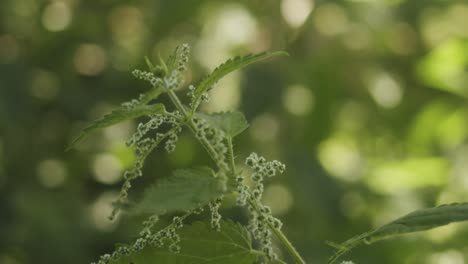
(148, 237)
(215, 215)
(183, 52)
(143, 128)
(191, 94)
(176, 77)
(130, 105)
(205, 97)
(172, 137)
(147, 76)
(260, 217)
(173, 80)
(216, 139)
(143, 146)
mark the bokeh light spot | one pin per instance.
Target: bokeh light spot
(90, 59)
(225, 27)
(107, 169)
(295, 12)
(100, 211)
(447, 257)
(330, 19)
(341, 158)
(384, 89)
(298, 100)
(444, 67)
(410, 174)
(51, 173)
(57, 16)
(264, 128)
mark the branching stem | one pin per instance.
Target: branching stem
(212, 152)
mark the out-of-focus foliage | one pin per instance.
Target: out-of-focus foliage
(369, 112)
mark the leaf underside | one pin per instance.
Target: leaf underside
(186, 189)
(231, 123)
(230, 66)
(117, 116)
(200, 244)
(419, 220)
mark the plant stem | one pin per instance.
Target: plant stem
(232, 163)
(279, 234)
(189, 121)
(212, 152)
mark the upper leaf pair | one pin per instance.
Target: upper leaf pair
(177, 62)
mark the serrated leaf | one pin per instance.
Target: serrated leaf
(231, 123)
(419, 220)
(117, 116)
(200, 244)
(227, 67)
(186, 189)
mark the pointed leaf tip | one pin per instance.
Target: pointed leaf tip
(119, 115)
(229, 66)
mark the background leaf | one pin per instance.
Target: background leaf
(230, 66)
(117, 116)
(419, 220)
(201, 244)
(186, 189)
(232, 123)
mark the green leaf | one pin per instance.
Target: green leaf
(117, 116)
(231, 123)
(200, 244)
(419, 220)
(227, 67)
(185, 190)
(150, 65)
(152, 94)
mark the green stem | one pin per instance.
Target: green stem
(189, 121)
(212, 152)
(232, 163)
(279, 234)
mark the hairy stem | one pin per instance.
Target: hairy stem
(189, 122)
(279, 234)
(232, 163)
(212, 152)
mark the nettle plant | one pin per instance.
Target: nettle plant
(191, 191)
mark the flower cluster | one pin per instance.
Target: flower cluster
(215, 215)
(260, 215)
(183, 52)
(147, 76)
(150, 238)
(144, 145)
(215, 138)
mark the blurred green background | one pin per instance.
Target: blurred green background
(369, 113)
